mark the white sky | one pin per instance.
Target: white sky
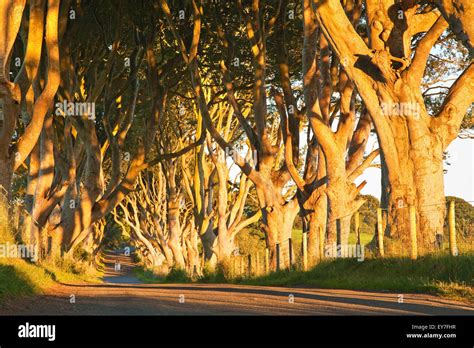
(458, 181)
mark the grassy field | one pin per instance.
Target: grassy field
(443, 275)
(439, 274)
(19, 277)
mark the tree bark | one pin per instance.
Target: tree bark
(174, 226)
(412, 142)
(421, 183)
(459, 14)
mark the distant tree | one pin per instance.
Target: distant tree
(368, 214)
(464, 213)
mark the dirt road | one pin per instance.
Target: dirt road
(123, 294)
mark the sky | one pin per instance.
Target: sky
(458, 181)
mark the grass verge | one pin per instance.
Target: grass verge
(438, 274)
(174, 276)
(21, 278)
(443, 275)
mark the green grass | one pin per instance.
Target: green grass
(365, 238)
(66, 275)
(18, 277)
(174, 276)
(441, 274)
(297, 236)
(21, 278)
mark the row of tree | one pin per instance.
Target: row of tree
(135, 113)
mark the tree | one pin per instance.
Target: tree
(327, 194)
(75, 145)
(412, 141)
(25, 91)
(277, 213)
(459, 14)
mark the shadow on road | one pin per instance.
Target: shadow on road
(123, 294)
(379, 300)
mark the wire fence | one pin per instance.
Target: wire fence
(401, 232)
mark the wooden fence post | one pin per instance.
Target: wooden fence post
(267, 261)
(339, 237)
(50, 245)
(380, 232)
(277, 257)
(321, 243)
(257, 263)
(305, 251)
(249, 270)
(357, 226)
(203, 260)
(453, 248)
(414, 245)
(290, 253)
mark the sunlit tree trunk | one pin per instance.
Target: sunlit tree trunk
(412, 141)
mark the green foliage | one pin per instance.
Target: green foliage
(82, 255)
(177, 276)
(464, 216)
(72, 268)
(249, 241)
(114, 236)
(368, 215)
(146, 275)
(220, 275)
(174, 276)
